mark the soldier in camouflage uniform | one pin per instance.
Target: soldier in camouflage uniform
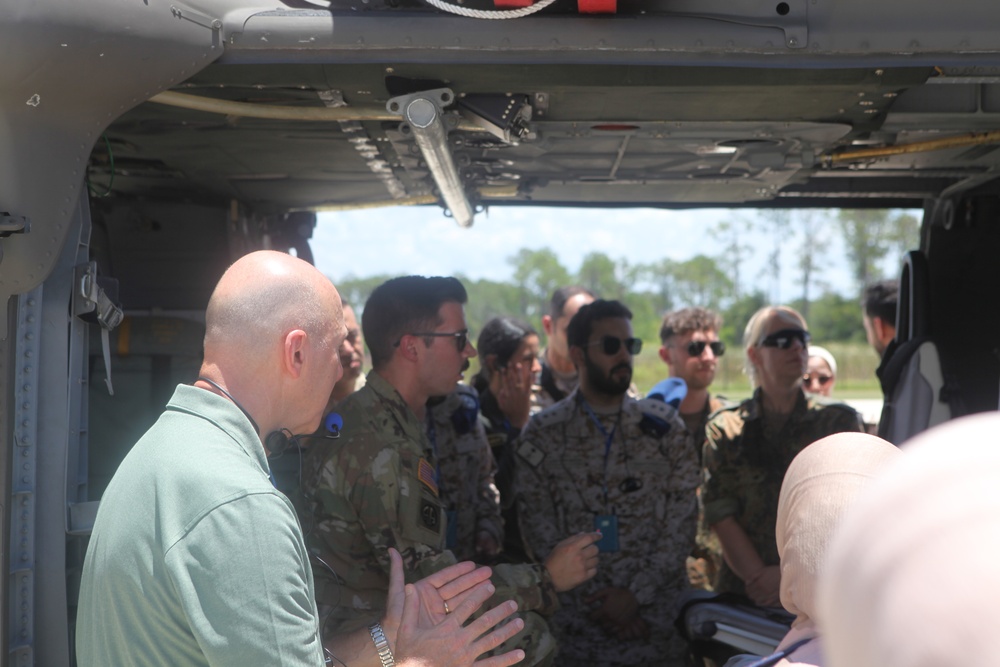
(466, 471)
(600, 457)
(378, 487)
(558, 376)
(749, 447)
(690, 347)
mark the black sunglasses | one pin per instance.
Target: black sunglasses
(783, 339)
(696, 347)
(611, 344)
(461, 337)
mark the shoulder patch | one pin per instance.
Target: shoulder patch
(656, 407)
(532, 455)
(656, 418)
(555, 414)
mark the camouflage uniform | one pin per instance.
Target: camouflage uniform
(465, 471)
(705, 561)
(560, 485)
(375, 488)
(550, 387)
(744, 468)
(502, 436)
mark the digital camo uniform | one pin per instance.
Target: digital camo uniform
(375, 488)
(744, 467)
(466, 469)
(560, 486)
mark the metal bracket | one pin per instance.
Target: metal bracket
(424, 119)
(13, 224)
(789, 16)
(196, 17)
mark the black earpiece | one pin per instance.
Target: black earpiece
(277, 442)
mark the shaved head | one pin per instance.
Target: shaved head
(267, 293)
(272, 330)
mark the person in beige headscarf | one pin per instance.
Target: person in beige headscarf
(821, 485)
(894, 593)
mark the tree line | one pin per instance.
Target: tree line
(873, 241)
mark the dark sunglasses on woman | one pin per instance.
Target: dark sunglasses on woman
(783, 339)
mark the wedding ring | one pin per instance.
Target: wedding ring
(446, 610)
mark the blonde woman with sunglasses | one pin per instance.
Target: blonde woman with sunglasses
(749, 446)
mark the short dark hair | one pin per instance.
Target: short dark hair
(404, 305)
(880, 300)
(501, 336)
(582, 323)
(557, 304)
(686, 320)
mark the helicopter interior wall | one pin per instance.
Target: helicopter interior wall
(963, 244)
(164, 255)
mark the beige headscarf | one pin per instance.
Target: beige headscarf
(820, 486)
(913, 575)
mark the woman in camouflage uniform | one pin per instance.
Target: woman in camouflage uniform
(749, 446)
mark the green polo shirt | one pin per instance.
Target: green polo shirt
(195, 558)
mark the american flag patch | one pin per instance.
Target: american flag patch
(425, 471)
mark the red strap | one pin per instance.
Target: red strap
(596, 6)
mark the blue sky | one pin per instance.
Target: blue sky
(422, 240)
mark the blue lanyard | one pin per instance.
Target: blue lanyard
(769, 660)
(608, 440)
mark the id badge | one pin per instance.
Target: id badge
(608, 525)
(451, 531)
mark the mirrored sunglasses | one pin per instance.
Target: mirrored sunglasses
(696, 347)
(611, 344)
(783, 339)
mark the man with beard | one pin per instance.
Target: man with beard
(602, 459)
(379, 485)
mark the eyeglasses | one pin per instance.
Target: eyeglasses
(696, 347)
(611, 344)
(821, 380)
(783, 339)
(461, 337)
